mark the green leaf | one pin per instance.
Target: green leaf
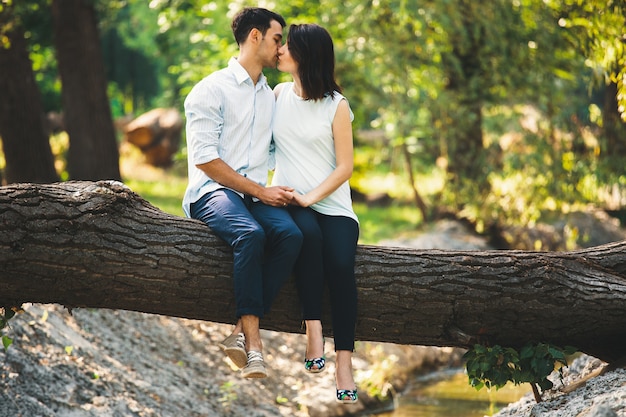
(569, 350)
(545, 384)
(9, 313)
(476, 383)
(526, 352)
(6, 342)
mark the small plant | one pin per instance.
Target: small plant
(493, 367)
(6, 314)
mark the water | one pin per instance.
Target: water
(448, 394)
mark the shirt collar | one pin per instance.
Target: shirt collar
(241, 75)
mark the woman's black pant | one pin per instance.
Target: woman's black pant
(327, 260)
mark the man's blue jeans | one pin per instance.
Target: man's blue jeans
(265, 240)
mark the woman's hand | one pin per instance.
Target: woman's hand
(300, 200)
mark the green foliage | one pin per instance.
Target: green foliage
(494, 367)
(596, 29)
(446, 78)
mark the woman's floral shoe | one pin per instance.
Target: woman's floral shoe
(347, 396)
(316, 365)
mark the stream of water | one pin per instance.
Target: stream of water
(448, 394)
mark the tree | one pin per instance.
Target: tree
(84, 244)
(93, 152)
(430, 73)
(22, 121)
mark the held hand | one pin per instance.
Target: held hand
(277, 196)
(300, 200)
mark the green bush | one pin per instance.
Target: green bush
(494, 367)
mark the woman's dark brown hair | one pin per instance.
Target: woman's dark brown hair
(312, 48)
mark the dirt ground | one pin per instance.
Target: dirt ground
(119, 363)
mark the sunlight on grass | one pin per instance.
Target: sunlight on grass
(381, 223)
(167, 195)
(163, 188)
(393, 184)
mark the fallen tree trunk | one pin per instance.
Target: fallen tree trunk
(158, 134)
(99, 245)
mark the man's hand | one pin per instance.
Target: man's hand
(277, 196)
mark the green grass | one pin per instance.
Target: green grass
(166, 194)
(382, 223)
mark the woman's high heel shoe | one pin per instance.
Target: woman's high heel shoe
(316, 365)
(347, 396)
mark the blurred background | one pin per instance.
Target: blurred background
(501, 114)
(507, 117)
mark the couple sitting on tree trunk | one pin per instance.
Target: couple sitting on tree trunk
(237, 130)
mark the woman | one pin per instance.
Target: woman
(314, 155)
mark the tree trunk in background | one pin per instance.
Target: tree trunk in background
(467, 170)
(93, 152)
(614, 128)
(467, 167)
(25, 143)
(100, 245)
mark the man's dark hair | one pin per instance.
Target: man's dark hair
(253, 18)
(311, 46)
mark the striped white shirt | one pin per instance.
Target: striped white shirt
(228, 117)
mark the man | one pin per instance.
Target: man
(229, 117)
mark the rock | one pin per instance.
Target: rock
(605, 393)
(601, 411)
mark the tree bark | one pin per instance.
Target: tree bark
(93, 152)
(99, 245)
(25, 142)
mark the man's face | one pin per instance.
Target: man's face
(270, 43)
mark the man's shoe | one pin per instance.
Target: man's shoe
(235, 347)
(255, 367)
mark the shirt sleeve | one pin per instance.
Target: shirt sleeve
(205, 121)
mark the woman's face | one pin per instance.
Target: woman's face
(286, 63)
